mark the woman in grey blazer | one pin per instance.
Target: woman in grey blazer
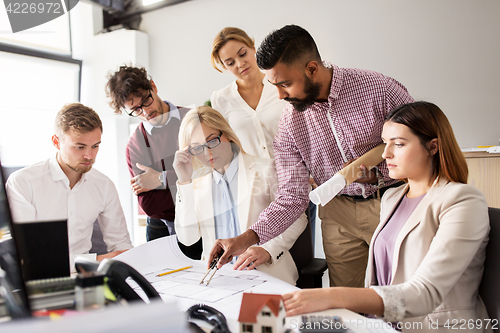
(426, 257)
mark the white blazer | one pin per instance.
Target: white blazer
(257, 184)
(439, 256)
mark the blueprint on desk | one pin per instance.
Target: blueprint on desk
(224, 291)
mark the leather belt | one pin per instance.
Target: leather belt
(378, 194)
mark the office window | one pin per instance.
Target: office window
(50, 37)
(33, 90)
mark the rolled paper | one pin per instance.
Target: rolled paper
(329, 189)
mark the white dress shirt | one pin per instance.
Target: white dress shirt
(41, 192)
(256, 140)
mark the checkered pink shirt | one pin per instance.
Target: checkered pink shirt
(305, 143)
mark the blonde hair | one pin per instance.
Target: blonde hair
(224, 36)
(211, 118)
(77, 117)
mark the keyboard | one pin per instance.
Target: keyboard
(50, 285)
(53, 293)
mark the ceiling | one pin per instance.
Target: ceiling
(127, 13)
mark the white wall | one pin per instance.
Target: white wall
(100, 54)
(443, 51)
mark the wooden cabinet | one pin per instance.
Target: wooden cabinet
(484, 173)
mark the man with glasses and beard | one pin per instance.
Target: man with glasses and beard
(66, 187)
(151, 148)
(334, 116)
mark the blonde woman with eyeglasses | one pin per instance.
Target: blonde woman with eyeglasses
(222, 190)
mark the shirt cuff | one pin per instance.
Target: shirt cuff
(394, 303)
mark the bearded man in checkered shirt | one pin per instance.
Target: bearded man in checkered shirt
(334, 116)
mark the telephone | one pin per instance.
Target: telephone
(116, 273)
(210, 315)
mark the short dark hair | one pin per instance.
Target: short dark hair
(127, 80)
(287, 45)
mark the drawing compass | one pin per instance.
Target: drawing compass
(212, 268)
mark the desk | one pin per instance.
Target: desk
(226, 289)
(168, 315)
(484, 173)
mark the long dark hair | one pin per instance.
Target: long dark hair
(427, 121)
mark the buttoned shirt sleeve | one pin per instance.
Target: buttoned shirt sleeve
(112, 222)
(19, 194)
(292, 197)
(281, 243)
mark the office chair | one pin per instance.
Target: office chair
(489, 290)
(310, 269)
(98, 244)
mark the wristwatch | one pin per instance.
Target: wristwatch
(162, 179)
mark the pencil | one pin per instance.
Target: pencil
(175, 270)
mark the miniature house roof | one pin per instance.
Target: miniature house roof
(252, 304)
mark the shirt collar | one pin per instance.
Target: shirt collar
(173, 113)
(231, 171)
(58, 173)
(336, 81)
(55, 169)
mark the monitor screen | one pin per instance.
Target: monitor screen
(12, 288)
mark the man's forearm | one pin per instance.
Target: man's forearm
(249, 238)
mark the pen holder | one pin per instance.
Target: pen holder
(89, 291)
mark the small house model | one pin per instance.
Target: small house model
(262, 313)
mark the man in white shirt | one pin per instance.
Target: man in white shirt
(66, 187)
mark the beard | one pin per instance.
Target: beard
(312, 91)
(79, 168)
(157, 116)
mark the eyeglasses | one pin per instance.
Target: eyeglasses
(145, 103)
(197, 150)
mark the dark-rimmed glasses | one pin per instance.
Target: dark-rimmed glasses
(145, 103)
(212, 143)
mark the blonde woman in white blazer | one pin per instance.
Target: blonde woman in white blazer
(208, 145)
(426, 257)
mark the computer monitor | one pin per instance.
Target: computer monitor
(42, 248)
(12, 287)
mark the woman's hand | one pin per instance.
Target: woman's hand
(251, 258)
(361, 300)
(307, 300)
(183, 166)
